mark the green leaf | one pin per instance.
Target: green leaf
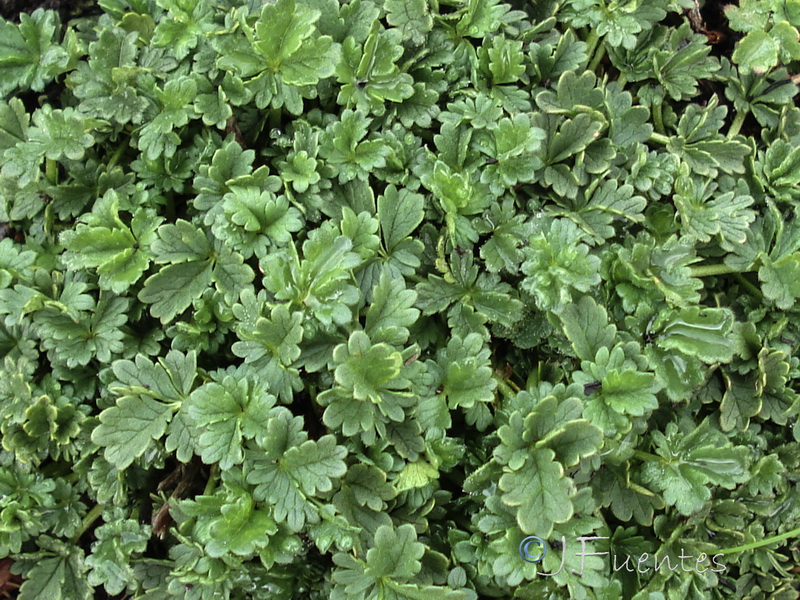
(321, 281)
(513, 148)
(242, 529)
(701, 144)
(768, 475)
(616, 384)
(587, 328)
(121, 254)
(158, 137)
(370, 390)
(503, 60)
(14, 122)
(128, 429)
(182, 26)
(289, 469)
(391, 312)
(60, 133)
(619, 27)
(757, 52)
(283, 32)
(415, 475)
(255, 212)
(749, 15)
(286, 54)
(60, 577)
(390, 565)
(464, 286)
(781, 279)
(539, 492)
(173, 288)
(230, 167)
(411, 17)
(691, 462)
(627, 391)
(168, 380)
(368, 73)
(315, 464)
(106, 83)
(344, 147)
(180, 242)
(739, 403)
(225, 413)
(626, 499)
(368, 367)
(608, 203)
(368, 486)
(704, 333)
(573, 136)
(684, 62)
(466, 373)
(301, 171)
(30, 57)
(271, 346)
(399, 212)
(230, 275)
(574, 441)
(110, 561)
(726, 215)
(396, 553)
(557, 261)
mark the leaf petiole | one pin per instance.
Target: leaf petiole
(504, 388)
(51, 171)
(211, 484)
(88, 521)
(759, 544)
(591, 43)
(659, 138)
(648, 456)
(738, 121)
(718, 269)
(598, 57)
(112, 162)
(658, 119)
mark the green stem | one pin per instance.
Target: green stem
(288, 192)
(759, 544)
(738, 120)
(648, 456)
(212, 480)
(49, 219)
(675, 535)
(51, 171)
(117, 155)
(749, 286)
(504, 388)
(598, 57)
(719, 269)
(622, 79)
(659, 138)
(88, 521)
(591, 43)
(658, 119)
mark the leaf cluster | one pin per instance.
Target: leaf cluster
(309, 299)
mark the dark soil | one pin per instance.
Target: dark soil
(11, 9)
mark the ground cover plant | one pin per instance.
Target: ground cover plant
(400, 299)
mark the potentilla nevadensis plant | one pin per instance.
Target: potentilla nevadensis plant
(400, 299)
